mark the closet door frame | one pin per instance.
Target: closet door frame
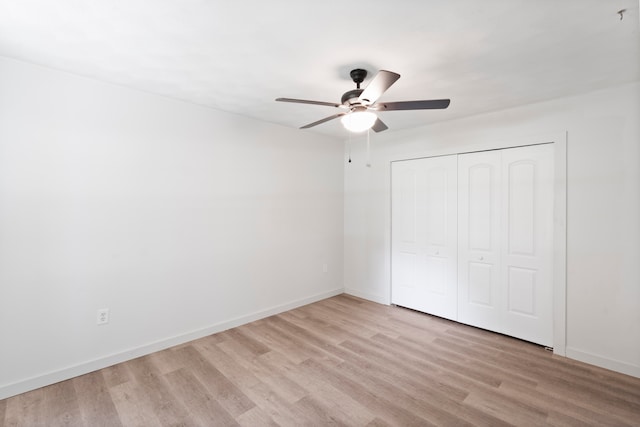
(559, 141)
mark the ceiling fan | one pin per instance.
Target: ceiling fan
(359, 105)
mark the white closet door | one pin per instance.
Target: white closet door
(527, 243)
(424, 220)
(479, 293)
(505, 244)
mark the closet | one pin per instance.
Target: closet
(472, 239)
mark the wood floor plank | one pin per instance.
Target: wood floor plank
(431, 409)
(483, 362)
(254, 346)
(156, 393)
(331, 333)
(377, 403)
(26, 409)
(256, 417)
(559, 419)
(94, 400)
(204, 410)
(286, 388)
(456, 371)
(227, 365)
(228, 394)
(116, 375)
(166, 361)
(489, 341)
(325, 413)
(377, 422)
(279, 410)
(348, 324)
(62, 406)
(132, 407)
(420, 380)
(562, 408)
(267, 400)
(299, 342)
(446, 394)
(359, 317)
(502, 406)
(340, 361)
(279, 341)
(343, 407)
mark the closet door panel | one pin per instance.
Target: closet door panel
(481, 196)
(481, 280)
(405, 245)
(479, 301)
(527, 231)
(424, 194)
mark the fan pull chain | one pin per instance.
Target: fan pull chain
(368, 148)
(349, 144)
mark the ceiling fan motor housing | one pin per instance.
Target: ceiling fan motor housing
(351, 97)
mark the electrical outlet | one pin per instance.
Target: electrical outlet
(102, 317)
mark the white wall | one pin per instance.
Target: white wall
(603, 210)
(180, 219)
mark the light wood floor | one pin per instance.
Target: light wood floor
(341, 361)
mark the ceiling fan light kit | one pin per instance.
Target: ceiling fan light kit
(359, 120)
(361, 103)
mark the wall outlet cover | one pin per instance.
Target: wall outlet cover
(102, 316)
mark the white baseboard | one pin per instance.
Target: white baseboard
(35, 382)
(603, 362)
(365, 295)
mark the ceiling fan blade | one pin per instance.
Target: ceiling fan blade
(432, 104)
(326, 119)
(305, 101)
(380, 83)
(379, 126)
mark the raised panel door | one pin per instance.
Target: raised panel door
(527, 241)
(424, 200)
(479, 293)
(405, 245)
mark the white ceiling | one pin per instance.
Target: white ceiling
(238, 56)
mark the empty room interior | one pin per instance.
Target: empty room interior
(320, 213)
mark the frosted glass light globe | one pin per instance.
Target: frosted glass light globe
(358, 121)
